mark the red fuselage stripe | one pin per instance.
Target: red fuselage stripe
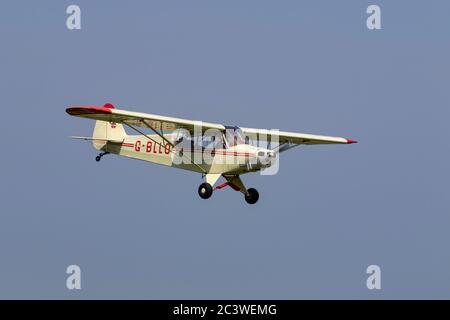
(225, 153)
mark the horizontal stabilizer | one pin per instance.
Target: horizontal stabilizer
(94, 139)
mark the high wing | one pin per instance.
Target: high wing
(160, 124)
(143, 120)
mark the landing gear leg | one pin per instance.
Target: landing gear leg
(99, 157)
(251, 195)
(205, 190)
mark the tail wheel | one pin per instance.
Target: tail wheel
(100, 155)
(205, 190)
(252, 196)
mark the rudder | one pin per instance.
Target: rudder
(107, 131)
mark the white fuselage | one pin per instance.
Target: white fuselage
(237, 159)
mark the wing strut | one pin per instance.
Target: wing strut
(285, 146)
(159, 134)
(148, 137)
(165, 140)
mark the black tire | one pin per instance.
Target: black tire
(205, 190)
(98, 158)
(252, 196)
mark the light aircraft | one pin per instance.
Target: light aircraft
(212, 149)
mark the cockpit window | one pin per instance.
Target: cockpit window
(234, 136)
(199, 141)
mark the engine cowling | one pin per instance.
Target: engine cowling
(265, 157)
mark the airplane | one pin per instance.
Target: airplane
(212, 149)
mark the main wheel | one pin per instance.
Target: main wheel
(252, 196)
(98, 158)
(205, 190)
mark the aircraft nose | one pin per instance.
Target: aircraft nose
(265, 158)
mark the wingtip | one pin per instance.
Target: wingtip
(86, 110)
(75, 110)
(349, 141)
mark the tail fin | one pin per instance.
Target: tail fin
(107, 131)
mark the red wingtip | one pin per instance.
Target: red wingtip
(351, 141)
(77, 111)
(109, 106)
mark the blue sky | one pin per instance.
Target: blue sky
(140, 231)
